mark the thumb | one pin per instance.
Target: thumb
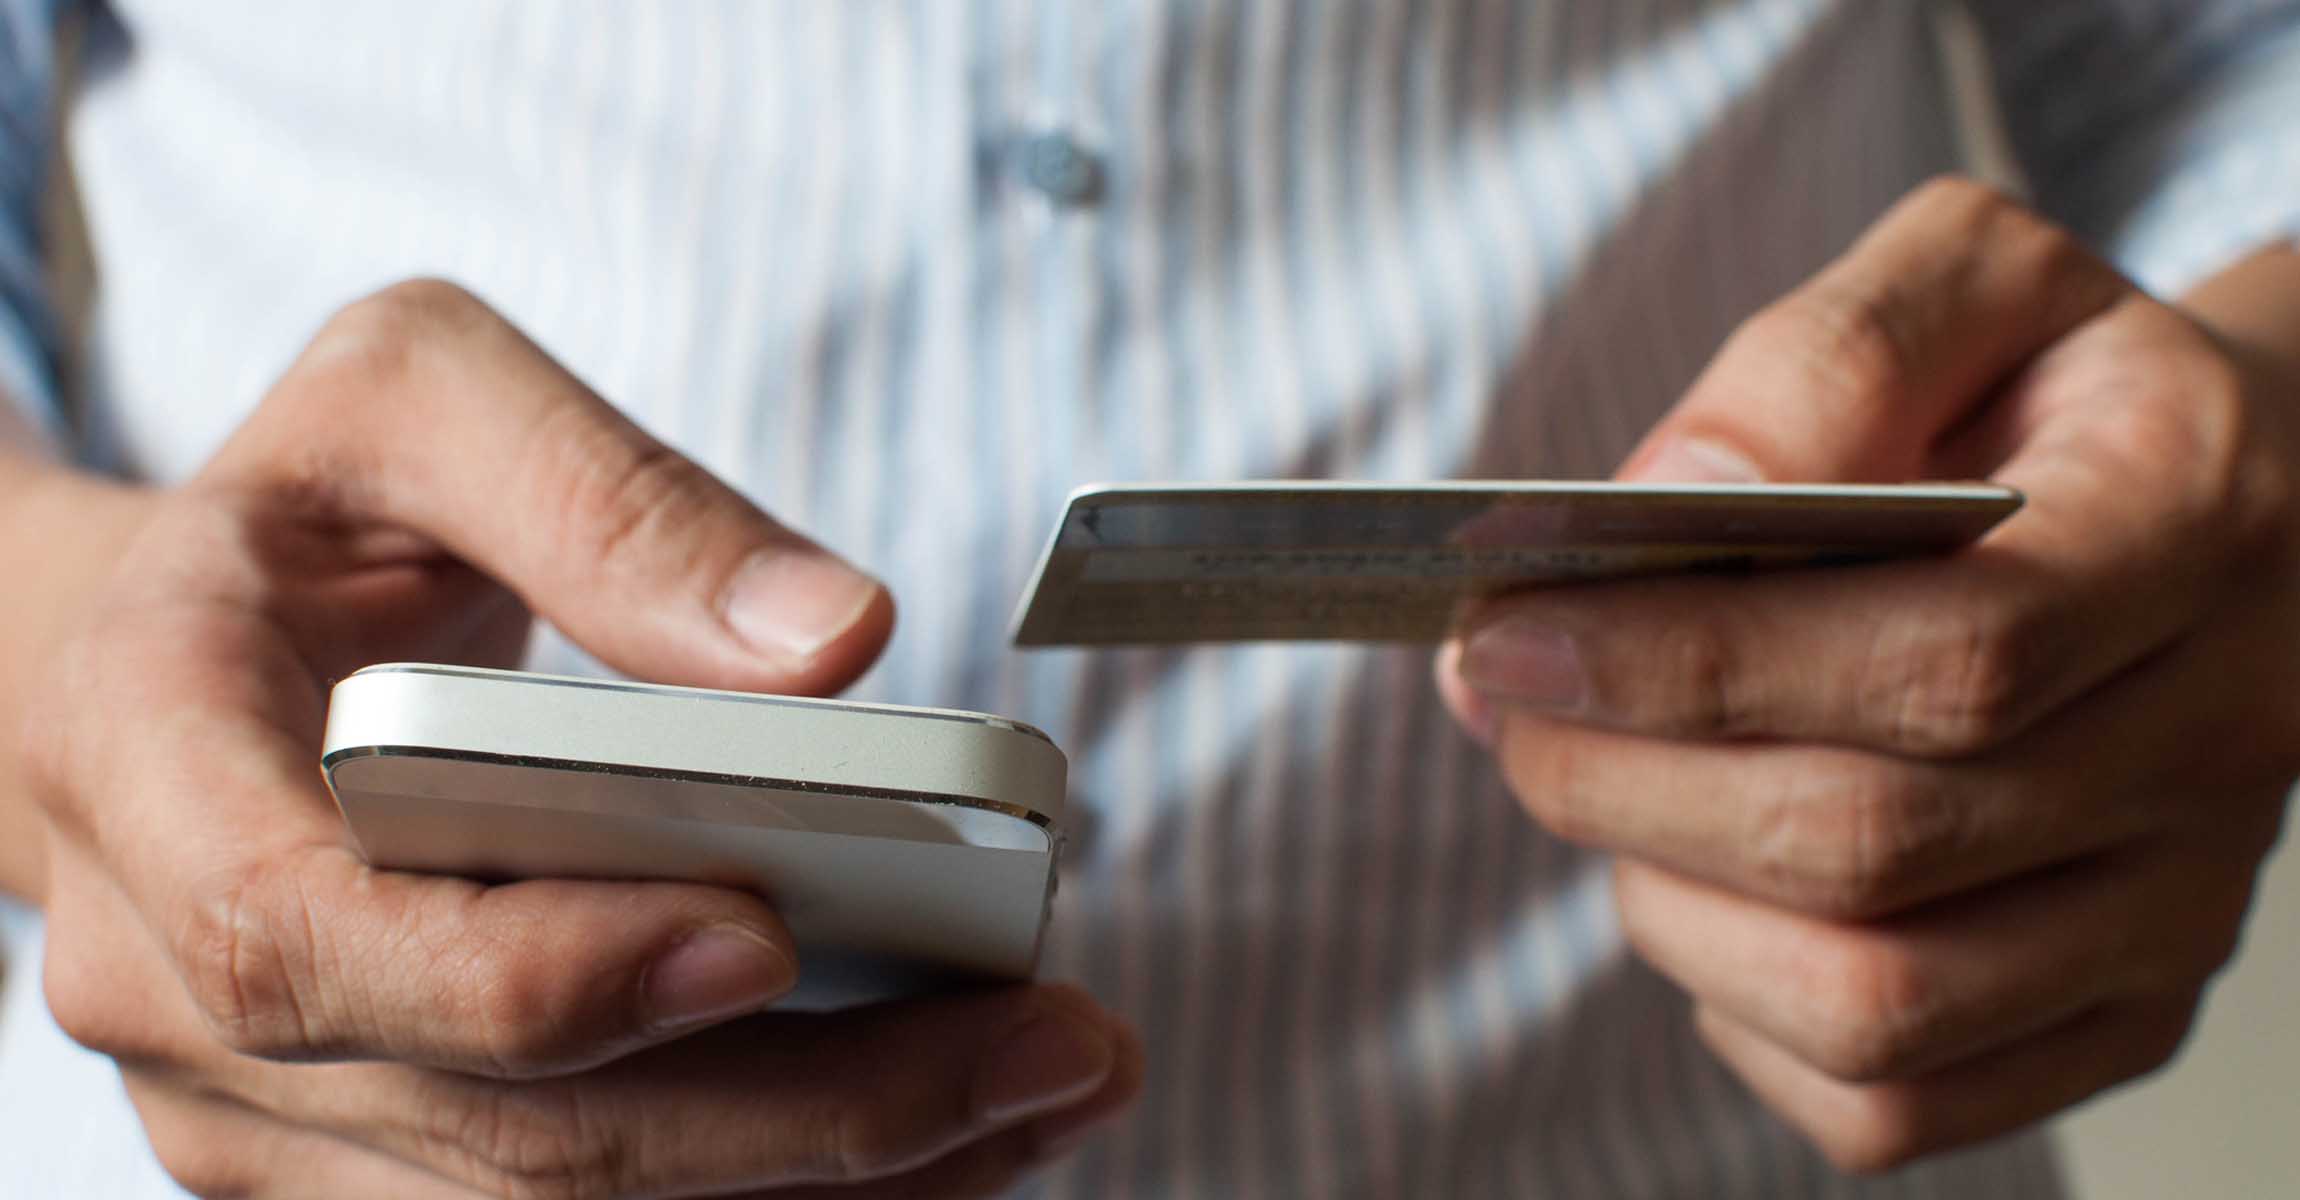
(421, 407)
(1859, 374)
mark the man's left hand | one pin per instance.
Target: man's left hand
(1941, 847)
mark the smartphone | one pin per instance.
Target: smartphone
(907, 848)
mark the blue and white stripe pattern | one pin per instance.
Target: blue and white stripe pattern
(908, 271)
(27, 324)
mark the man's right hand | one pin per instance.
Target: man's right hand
(291, 1022)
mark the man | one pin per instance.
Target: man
(1910, 857)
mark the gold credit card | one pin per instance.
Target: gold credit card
(1280, 561)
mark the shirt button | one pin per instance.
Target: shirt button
(1059, 168)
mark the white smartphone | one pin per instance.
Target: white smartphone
(907, 848)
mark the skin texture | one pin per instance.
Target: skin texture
(1940, 848)
(292, 1023)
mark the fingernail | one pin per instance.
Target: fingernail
(1049, 1062)
(789, 604)
(1521, 661)
(718, 972)
(1475, 712)
(1698, 460)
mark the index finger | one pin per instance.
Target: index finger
(2129, 533)
(1962, 336)
(421, 409)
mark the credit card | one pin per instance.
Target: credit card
(1153, 564)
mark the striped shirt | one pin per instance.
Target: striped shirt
(908, 270)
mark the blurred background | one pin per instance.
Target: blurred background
(2224, 1121)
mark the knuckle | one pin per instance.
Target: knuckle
(537, 1144)
(380, 335)
(1855, 844)
(2257, 500)
(76, 1001)
(245, 962)
(1849, 342)
(1875, 1005)
(852, 1142)
(1964, 683)
(1875, 1130)
(189, 1149)
(199, 1166)
(1542, 774)
(2194, 425)
(2170, 393)
(615, 498)
(1977, 214)
(1988, 215)
(1698, 690)
(368, 358)
(1960, 195)
(2203, 418)
(2006, 238)
(404, 314)
(87, 1007)
(521, 1022)
(867, 1132)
